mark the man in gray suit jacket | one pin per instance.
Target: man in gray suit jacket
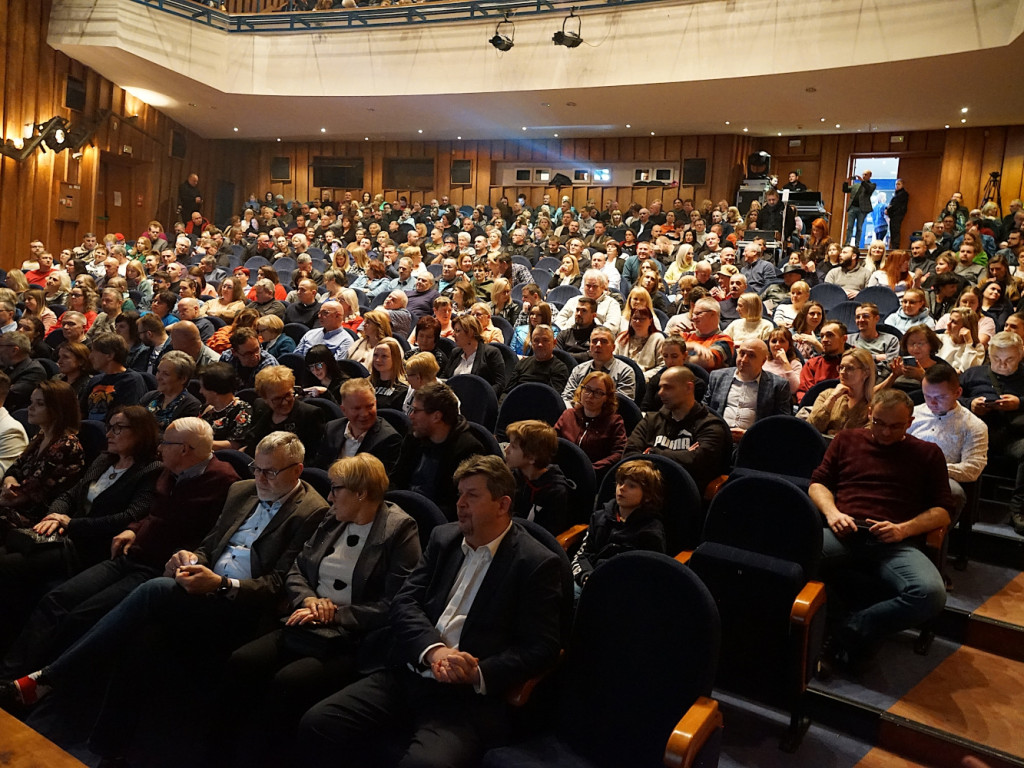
(207, 604)
(746, 393)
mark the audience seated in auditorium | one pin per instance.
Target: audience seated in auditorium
(684, 430)
(171, 400)
(438, 441)
(628, 522)
(542, 491)
(541, 366)
(279, 410)
(877, 512)
(747, 393)
(602, 358)
(113, 385)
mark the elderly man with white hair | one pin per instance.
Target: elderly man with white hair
(595, 286)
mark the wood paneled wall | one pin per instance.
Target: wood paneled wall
(724, 169)
(34, 78)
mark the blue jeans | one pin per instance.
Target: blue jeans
(855, 218)
(914, 585)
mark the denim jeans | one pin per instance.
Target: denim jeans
(914, 585)
(855, 218)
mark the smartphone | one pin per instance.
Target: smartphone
(909, 361)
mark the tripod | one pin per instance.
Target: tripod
(991, 190)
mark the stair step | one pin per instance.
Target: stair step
(880, 758)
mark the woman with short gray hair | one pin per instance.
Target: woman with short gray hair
(170, 400)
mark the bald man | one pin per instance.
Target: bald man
(747, 392)
(185, 338)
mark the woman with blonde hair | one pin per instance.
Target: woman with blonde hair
(488, 332)
(683, 264)
(388, 374)
(539, 314)
(349, 301)
(638, 298)
(568, 273)
(751, 324)
(501, 303)
(641, 341)
(961, 345)
(845, 406)
(360, 263)
(422, 368)
(375, 328)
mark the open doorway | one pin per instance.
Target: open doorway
(920, 176)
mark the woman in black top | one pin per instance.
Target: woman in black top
(388, 374)
(325, 369)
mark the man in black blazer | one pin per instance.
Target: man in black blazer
(209, 602)
(478, 617)
(746, 393)
(361, 431)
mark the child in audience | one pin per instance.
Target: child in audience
(631, 521)
(542, 491)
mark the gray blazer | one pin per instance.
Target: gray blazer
(275, 548)
(773, 395)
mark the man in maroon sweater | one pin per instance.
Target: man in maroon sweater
(190, 495)
(826, 365)
(881, 490)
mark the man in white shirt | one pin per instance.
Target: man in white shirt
(595, 286)
(961, 435)
(330, 332)
(463, 636)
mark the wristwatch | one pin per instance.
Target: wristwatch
(225, 586)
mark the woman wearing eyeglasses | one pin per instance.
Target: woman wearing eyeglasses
(115, 490)
(845, 406)
(278, 410)
(593, 422)
(339, 590)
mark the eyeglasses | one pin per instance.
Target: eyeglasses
(316, 366)
(338, 488)
(270, 474)
(282, 398)
(594, 392)
(171, 442)
(117, 429)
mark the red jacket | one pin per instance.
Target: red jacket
(603, 440)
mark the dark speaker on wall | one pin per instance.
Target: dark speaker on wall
(74, 94)
(462, 171)
(280, 169)
(178, 145)
(695, 172)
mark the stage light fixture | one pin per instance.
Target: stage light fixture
(569, 38)
(504, 39)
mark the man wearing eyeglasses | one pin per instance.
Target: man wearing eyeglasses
(330, 333)
(214, 598)
(23, 371)
(913, 311)
(188, 498)
(877, 514)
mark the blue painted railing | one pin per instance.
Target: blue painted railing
(286, 20)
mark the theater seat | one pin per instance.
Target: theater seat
(759, 559)
(637, 607)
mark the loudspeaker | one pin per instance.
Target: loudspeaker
(74, 94)
(462, 171)
(695, 172)
(280, 169)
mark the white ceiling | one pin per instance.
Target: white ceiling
(917, 94)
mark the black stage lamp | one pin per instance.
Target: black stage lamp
(568, 38)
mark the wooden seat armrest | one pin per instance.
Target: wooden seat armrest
(691, 732)
(712, 488)
(519, 695)
(807, 603)
(684, 557)
(572, 537)
(934, 538)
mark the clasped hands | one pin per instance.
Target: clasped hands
(883, 530)
(452, 666)
(194, 579)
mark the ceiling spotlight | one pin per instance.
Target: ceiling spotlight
(524, 127)
(963, 110)
(569, 38)
(652, 133)
(235, 129)
(504, 40)
(556, 135)
(838, 125)
(963, 119)
(780, 133)
(628, 125)
(745, 130)
(323, 130)
(727, 122)
(366, 138)
(947, 126)
(420, 131)
(459, 138)
(278, 138)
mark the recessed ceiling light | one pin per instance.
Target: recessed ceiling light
(963, 119)
(823, 119)
(323, 130)
(947, 125)
(459, 138)
(235, 129)
(838, 126)
(278, 138)
(745, 130)
(420, 131)
(652, 133)
(545, 104)
(192, 104)
(780, 133)
(727, 122)
(628, 125)
(366, 138)
(524, 127)
(963, 110)
(556, 135)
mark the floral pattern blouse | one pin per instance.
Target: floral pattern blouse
(233, 422)
(43, 474)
